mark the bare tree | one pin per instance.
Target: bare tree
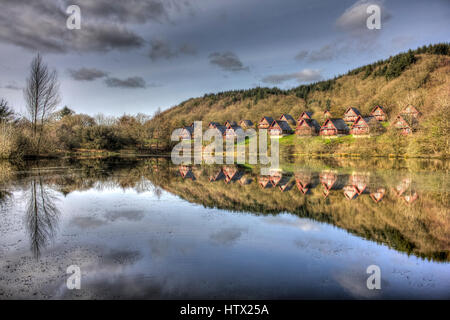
(41, 95)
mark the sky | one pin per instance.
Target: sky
(137, 56)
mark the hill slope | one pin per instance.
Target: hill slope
(420, 77)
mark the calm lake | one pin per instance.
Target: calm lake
(145, 228)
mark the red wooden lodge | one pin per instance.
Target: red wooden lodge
(279, 128)
(351, 114)
(288, 118)
(187, 132)
(305, 115)
(307, 127)
(366, 126)
(406, 124)
(246, 124)
(334, 127)
(378, 113)
(410, 111)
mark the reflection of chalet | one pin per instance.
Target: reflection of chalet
(186, 172)
(405, 124)
(366, 126)
(378, 113)
(410, 111)
(265, 122)
(288, 118)
(360, 181)
(305, 181)
(281, 181)
(265, 182)
(402, 186)
(378, 195)
(307, 128)
(351, 114)
(334, 127)
(279, 128)
(232, 174)
(307, 115)
(246, 124)
(410, 197)
(332, 181)
(219, 175)
(351, 192)
(244, 180)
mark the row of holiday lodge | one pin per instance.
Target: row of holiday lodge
(352, 122)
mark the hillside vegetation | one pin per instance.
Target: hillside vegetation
(420, 77)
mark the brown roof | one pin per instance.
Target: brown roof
(287, 116)
(231, 123)
(308, 113)
(268, 119)
(283, 125)
(377, 107)
(310, 122)
(367, 120)
(248, 123)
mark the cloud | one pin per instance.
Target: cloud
(306, 75)
(354, 19)
(227, 61)
(12, 86)
(227, 236)
(325, 53)
(161, 49)
(86, 74)
(132, 82)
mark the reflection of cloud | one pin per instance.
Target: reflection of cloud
(87, 222)
(228, 235)
(356, 284)
(283, 220)
(126, 215)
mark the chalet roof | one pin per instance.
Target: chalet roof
(308, 113)
(287, 116)
(310, 122)
(337, 123)
(368, 120)
(214, 123)
(356, 111)
(231, 123)
(283, 124)
(190, 129)
(410, 106)
(268, 119)
(377, 107)
(409, 120)
(248, 123)
(221, 128)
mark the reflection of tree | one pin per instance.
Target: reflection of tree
(42, 215)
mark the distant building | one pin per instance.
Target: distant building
(307, 127)
(410, 111)
(334, 127)
(265, 122)
(246, 124)
(288, 118)
(280, 128)
(327, 114)
(351, 114)
(229, 124)
(378, 113)
(213, 125)
(187, 132)
(366, 126)
(305, 115)
(405, 124)
(231, 131)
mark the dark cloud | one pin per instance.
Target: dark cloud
(87, 222)
(161, 49)
(132, 82)
(306, 75)
(227, 61)
(227, 236)
(87, 74)
(325, 53)
(129, 215)
(12, 86)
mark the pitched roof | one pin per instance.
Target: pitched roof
(368, 120)
(307, 113)
(310, 122)
(214, 123)
(283, 124)
(231, 123)
(268, 119)
(248, 123)
(337, 123)
(190, 129)
(377, 107)
(356, 111)
(287, 116)
(409, 120)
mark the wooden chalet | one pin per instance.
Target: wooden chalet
(246, 124)
(378, 195)
(327, 114)
(378, 113)
(307, 127)
(288, 118)
(280, 128)
(231, 131)
(213, 125)
(265, 123)
(228, 124)
(334, 127)
(405, 124)
(351, 114)
(410, 111)
(366, 126)
(305, 115)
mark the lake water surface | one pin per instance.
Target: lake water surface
(144, 228)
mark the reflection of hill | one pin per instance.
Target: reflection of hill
(401, 204)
